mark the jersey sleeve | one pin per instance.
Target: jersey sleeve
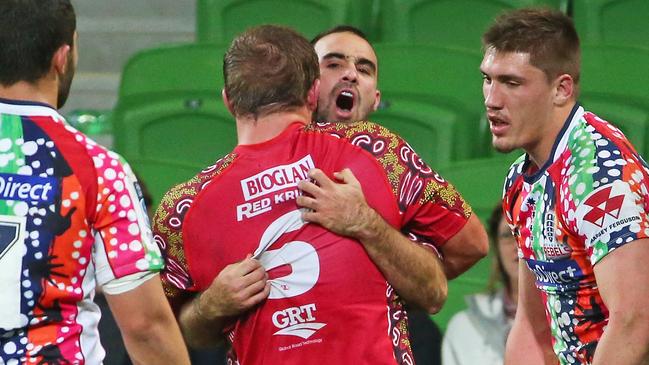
(611, 214)
(432, 209)
(123, 240)
(177, 281)
(167, 231)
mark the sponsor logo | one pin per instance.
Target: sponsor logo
(276, 178)
(559, 273)
(249, 210)
(607, 210)
(27, 188)
(552, 247)
(548, 227)
(269, 181)
(603, 202)
(297, 321)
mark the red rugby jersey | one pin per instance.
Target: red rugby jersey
(329, 303)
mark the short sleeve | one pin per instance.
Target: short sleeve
(432, 210)
(123, 240)
(614, 213)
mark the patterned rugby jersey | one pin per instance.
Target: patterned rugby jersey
(329, 303)
(70, 219)
(587, 200)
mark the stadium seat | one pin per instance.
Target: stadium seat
(435, 88)
(159, 72)
(221, 20)
(158, 176)
(456, 23)
(480, 181)
(427, 128)
(618, 22)
(614, 86)
(169, 106)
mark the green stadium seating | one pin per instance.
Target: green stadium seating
(614, 86)
(432, 96)
(169, 108)
(427, 128)
(480, 182)
(221, 20)
(457, 23)
(172, 70)
(158, 176)
(618, 22)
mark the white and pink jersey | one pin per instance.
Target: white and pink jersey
(328, 303)
(70, 219)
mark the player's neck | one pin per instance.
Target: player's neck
(36, 92)
(269, 126)
(540, 152)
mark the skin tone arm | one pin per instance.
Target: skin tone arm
(148, 326)
(623, 281)
(415, 272)
(460, 252)
(464, 249)
(529, 340)
(236, 289)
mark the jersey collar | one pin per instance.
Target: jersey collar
(27, 108)
(558, 147)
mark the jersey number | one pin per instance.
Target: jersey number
(299, 255)
(12, 249)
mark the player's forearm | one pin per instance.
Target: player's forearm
(199, 330)
(530, 339)
(524, 347)
(159, 343)
(625, 341)
(415, 272)
(455, 266)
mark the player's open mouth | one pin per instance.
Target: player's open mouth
(498, 125)
(345, 101)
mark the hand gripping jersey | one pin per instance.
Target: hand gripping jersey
(329, 304)
(70, 219)
(587, 200)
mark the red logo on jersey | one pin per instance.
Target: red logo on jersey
(602, 204)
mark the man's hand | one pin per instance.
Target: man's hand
(237, 288)
(415, 272)
(338, 206)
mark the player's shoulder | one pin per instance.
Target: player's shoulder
(515, 172)
(354, 130)
(371, 137)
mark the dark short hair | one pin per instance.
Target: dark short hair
(269, 68)
(30, 33)
(548, 35)
(340, 29)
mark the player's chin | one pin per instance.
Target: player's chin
(502, 145)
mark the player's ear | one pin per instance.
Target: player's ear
(312, 95)
(564, 89)
(60, 59)
(377, 100)
(226, 101)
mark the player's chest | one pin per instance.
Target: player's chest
(539, 218)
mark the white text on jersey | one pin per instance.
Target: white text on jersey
(276, 178)
(297, 321)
